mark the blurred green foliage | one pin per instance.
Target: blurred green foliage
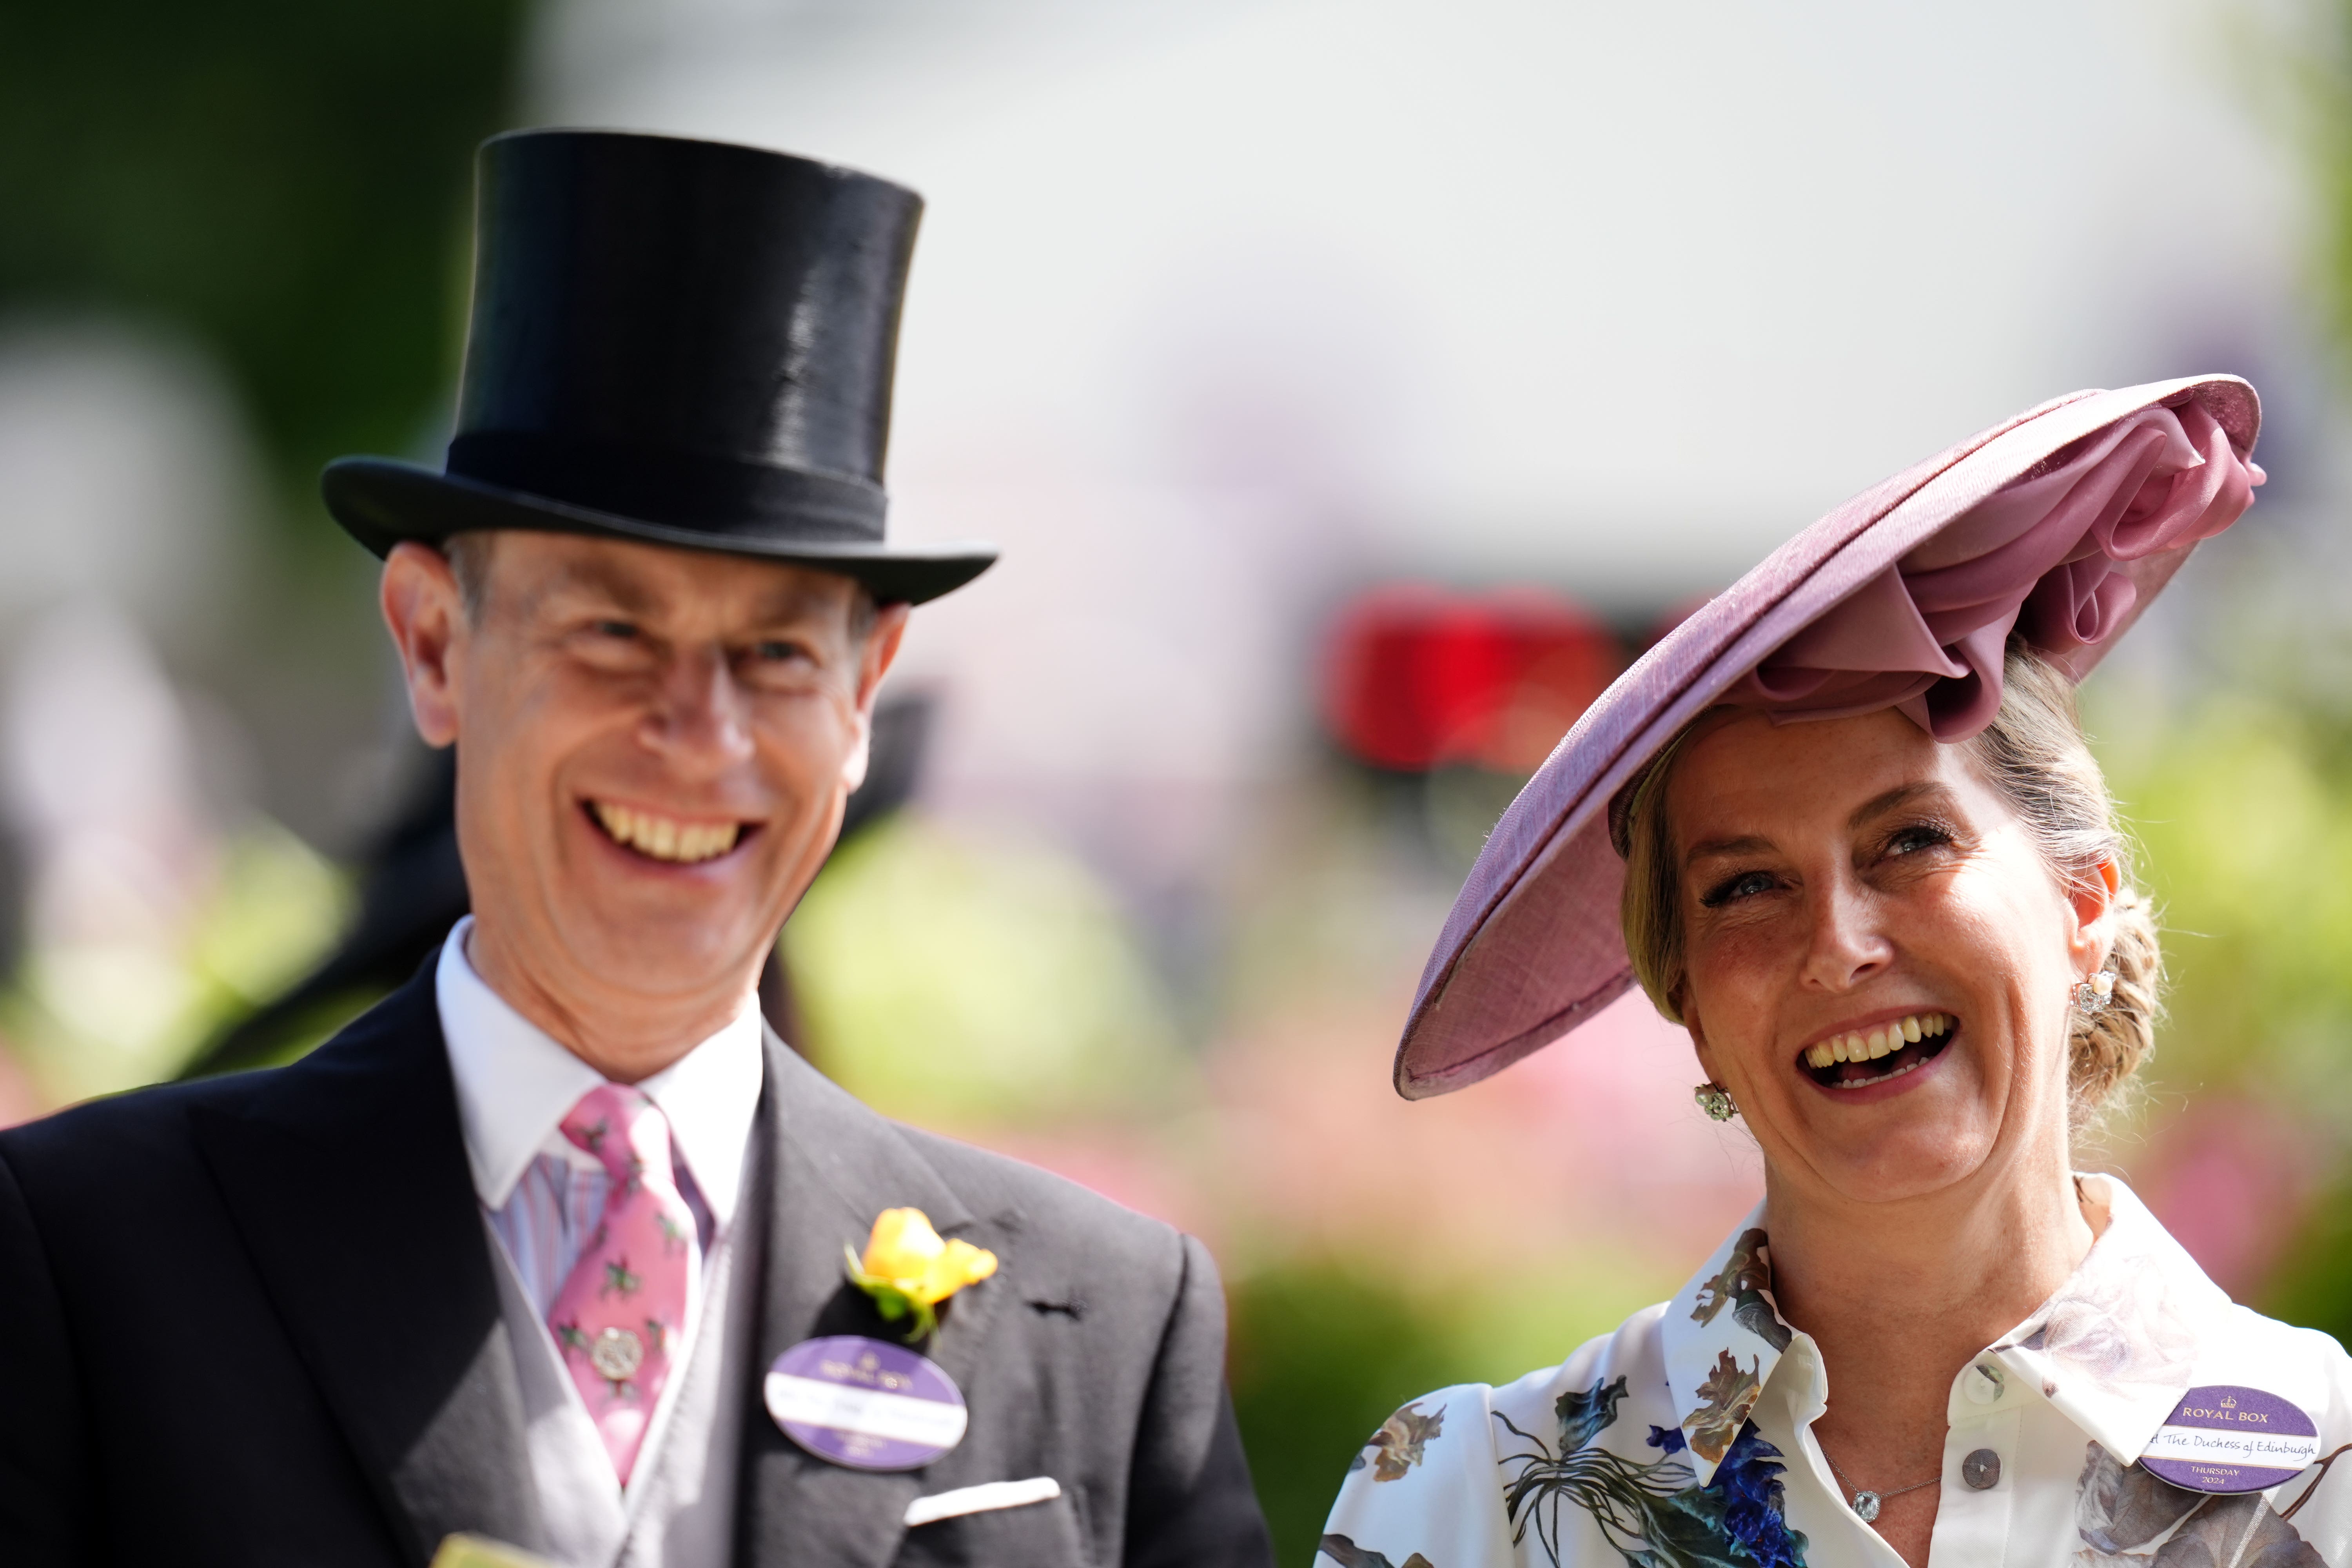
(2241, 799)
(945, 978)
(1322, 1355)
(2245, 811)
(2244, 808)
(285, 182)
(2297, 64)
(2315, 1289)
(96, 1018)
(1324, 1348)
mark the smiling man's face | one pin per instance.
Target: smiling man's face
(653, 749)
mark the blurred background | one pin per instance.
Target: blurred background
(1356, 388)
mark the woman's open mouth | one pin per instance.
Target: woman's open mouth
(1864, 1056)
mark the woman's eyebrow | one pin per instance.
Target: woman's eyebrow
(1899, 797)
(1895, 799)
(1715, 849)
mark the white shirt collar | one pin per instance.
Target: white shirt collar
(2117, 1345)
(2114, 1349)
(1722, 1336)
(515, 1083)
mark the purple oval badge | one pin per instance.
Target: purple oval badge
(2224, 1438)
(867, 1403)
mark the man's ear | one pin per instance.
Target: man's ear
(424, 612)
(881, 651)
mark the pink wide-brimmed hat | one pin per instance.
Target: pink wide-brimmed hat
(2060, 525)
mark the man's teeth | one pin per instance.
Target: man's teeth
(1887, 1038)
(665, 837)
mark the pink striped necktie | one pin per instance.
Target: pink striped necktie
(624, 1306)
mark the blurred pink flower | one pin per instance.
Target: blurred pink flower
(2231, 1179)
(1596, 1140)
(1130, 1165)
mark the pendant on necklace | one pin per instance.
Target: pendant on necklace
(1865, 1504)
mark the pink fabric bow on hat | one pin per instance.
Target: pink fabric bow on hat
(2043, 555)
(2060, 525)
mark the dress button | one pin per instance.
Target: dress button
(1982, 1383)
(1981, 1470)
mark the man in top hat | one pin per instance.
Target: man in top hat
(549, 1246)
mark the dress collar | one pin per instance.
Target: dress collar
(2113, 1350)
(515, 1084)
(2116, 1346)
(1722, 1337)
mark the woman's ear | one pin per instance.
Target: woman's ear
(1697, 1031)
(2092, 899)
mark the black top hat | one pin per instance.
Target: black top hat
(679, 343)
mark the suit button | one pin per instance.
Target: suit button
(1981, 1470)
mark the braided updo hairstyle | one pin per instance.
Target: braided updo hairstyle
(2034, 753)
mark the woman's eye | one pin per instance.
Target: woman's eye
(624, 630)
(1746, 884)
(1919, 836)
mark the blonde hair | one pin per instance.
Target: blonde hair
(2034, 753)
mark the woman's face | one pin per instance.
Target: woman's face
(1880, 963)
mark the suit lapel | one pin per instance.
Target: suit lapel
(837, 1165)
(346, 1175)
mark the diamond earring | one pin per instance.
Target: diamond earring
(2092, 995)
(1716, 1100)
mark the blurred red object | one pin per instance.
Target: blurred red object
(1417, 677)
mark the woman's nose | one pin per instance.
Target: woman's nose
(698, 718)
(1846, 943)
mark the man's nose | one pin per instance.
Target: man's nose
(1847, 944)
(698, 718)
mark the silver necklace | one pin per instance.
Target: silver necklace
(1866, 1503)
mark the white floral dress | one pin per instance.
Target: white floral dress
(1684, 1439)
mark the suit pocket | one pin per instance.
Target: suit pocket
(1043, 1534)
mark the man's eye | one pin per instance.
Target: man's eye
(624, 630)
(779, 652)
(1745, 884)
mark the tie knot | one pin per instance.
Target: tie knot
(622, 1128)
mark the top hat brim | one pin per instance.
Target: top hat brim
(1533, 947)
(381, 503)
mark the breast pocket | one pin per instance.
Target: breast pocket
(1034, 1535)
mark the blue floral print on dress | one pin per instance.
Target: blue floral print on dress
(1657, 1512)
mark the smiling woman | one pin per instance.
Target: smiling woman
(2034, 755)
(1843, 827)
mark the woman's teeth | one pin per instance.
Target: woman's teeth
(1869, 1045)
(665, 837)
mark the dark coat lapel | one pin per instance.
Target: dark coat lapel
(837, 1165)
(347, 1176)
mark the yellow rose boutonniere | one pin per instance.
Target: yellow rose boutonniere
(907, 1269)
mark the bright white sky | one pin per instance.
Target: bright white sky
(1240, 304)
(1630, 287)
